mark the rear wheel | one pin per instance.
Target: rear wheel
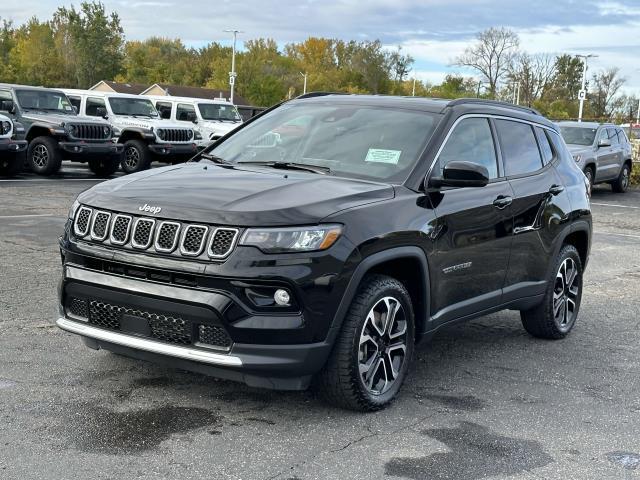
(11, 164)
(621, 184)
(371, 356)
(557, 314)
(104, 167)
(589, 173)
(43, 156)
(136, 156)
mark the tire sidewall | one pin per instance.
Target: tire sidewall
(53, 156)
(378, 401)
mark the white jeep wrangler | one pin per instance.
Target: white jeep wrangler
(137, 124)
(11, 149)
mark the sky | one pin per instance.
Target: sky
(434, 32)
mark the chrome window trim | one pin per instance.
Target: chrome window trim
(126, 237)
(175, 238)
(75, 221)
(202, 242)
(107, 228)
(133, 240)
(233, 243)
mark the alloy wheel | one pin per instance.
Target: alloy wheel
(566, 294)
(131, 157)
(625, 178)
(40, 156)
(383, 345)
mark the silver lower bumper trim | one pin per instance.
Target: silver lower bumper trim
(148, 345)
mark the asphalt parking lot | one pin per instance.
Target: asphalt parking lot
(483, 400)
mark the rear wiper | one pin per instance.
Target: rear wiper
(294, 166)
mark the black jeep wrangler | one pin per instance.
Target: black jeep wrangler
(53, 130)
(318, 242)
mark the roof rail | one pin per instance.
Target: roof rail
(496, 103)
(318, 94)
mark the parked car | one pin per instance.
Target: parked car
(212, 118)
(601, 150)
(138, 127)
(11, 149)
(324, 260)
(54, 131)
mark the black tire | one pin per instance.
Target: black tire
(136, 156)
(542, 321)
(104, 167)
(44, 156)
(340, 382)
(590, 174)
(621, 184)
(11, 164)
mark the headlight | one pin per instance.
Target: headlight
(74, 209)
(577, 158)
(5, 127)
(293, 239)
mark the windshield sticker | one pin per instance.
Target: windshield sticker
(379, 155)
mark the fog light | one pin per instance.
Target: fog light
(282, 297)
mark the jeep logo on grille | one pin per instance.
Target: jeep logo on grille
(149, 208)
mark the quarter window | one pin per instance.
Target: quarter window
(545, 147)
(185, 112)
(520, 152)
(471, 141)
(93, 104)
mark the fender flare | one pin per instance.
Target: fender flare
(143, 133)
(365, 266)
(577, 226)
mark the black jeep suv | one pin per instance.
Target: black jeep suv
(320, 240)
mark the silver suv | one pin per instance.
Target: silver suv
(601, 150)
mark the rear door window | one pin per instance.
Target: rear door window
(471, 141)
(520, 152)
(613, 136)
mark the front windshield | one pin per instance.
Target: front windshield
(578, 135)
(132, 106)
(361, 141)
(216, 111)
(49, 101)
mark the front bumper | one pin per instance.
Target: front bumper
(173, 148)
(85, 148)
(14, 146)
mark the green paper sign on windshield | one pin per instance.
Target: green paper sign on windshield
(379, 155)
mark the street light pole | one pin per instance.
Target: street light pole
(232, 73)
(304, 88)
(584, 83)
(638, 117)
(413, 90)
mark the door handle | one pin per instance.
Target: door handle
(556, 189)
(502, 201)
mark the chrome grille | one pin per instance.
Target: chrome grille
(88, 131)
(120, 229)
(100, 225)
(142, 232)
(193, 239)
(175, 134)
(167, 237)
(222, 242)
(81, 225)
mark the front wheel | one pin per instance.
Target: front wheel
(621, 184)
(371, 356)
(43, 156)
(136, 156)
(557, 314)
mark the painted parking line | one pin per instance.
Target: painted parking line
(31, 215)
(628, 235)
(616, 205)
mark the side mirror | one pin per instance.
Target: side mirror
(101, 112)
(604, 143)
(8, 106)
(461, 174)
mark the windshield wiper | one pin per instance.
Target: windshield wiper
(146, 115)
(293, 166)
(215, 159)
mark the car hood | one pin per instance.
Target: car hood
(220, 127)
(142, 122)
(575, 149)
(206, 193)
(56, 119)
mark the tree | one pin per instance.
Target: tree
(492, 55)
(604, 99)
(400, 64)
(34, 58)
(533, 74)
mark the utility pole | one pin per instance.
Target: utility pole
(232, 73)
(413, 91)
(304, 88)
(638, 116)
(478, 91)
(583, 93)
(518, 94)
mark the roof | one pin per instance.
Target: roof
(131, 88)
(186, 99)
(100, 93)
(567, 123)
(196, 92)
(28, 87)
